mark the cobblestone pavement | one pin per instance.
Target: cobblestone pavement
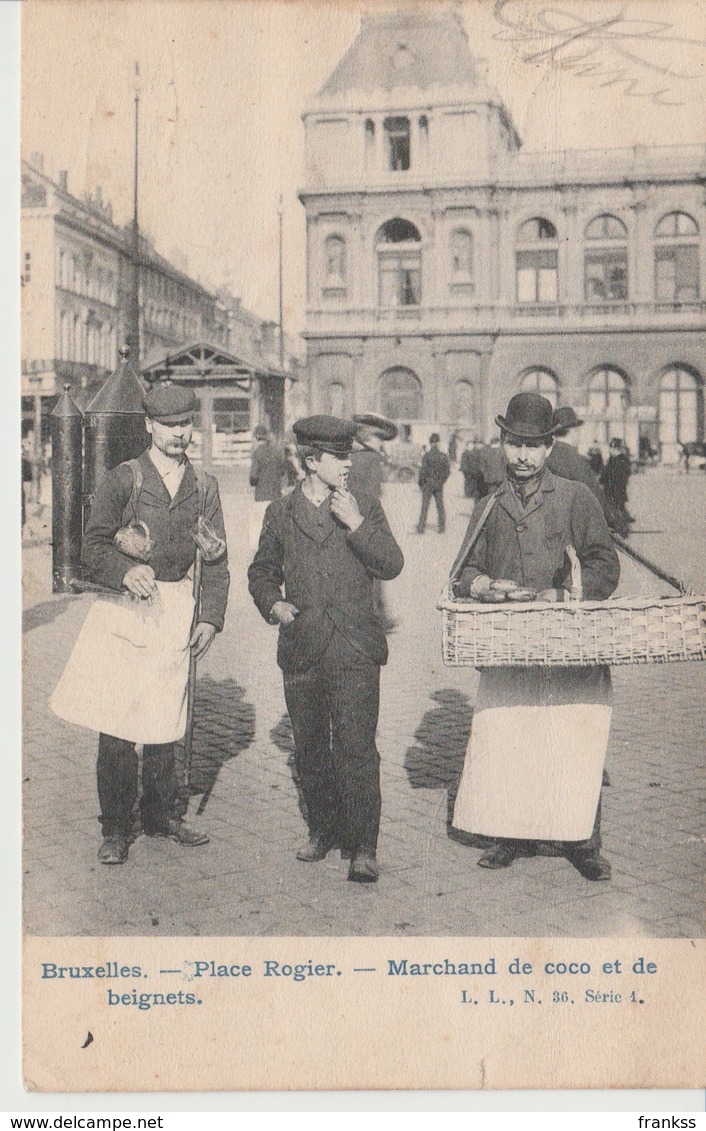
(247, 880)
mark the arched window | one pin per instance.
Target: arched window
(536, 262)
(605, 262)
(334, 261)
(399, 264)
(401, 396)
(677, 258)
(335, 398)
(608, 402)
(461, 257)
(681, 407)
(541, 381)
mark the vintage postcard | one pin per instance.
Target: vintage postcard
(363, 473)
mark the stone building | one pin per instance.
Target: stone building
(447, 268)
(76, 275)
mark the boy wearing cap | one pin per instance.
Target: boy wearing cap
(127, 675)
(535, 758)
(325, 544)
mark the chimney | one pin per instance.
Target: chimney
(64, 180)
(37, 161)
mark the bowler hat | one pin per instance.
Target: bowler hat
(383, 427)
(565, 417)
(326, 433)
(261, 432)
(529, 416)
(435, 438)
(169, 404)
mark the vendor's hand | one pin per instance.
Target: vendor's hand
(202, 639)
(140, 582)
(284, 612)
(345, 508)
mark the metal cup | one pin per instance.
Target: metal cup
(210, 544)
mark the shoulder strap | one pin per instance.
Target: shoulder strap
(130, 514)
(470, 540)
(200, 477)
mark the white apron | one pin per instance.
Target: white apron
(534, 763)
(127, 675)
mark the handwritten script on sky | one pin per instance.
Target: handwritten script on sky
(649, 58)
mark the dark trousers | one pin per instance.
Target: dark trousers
(117, 769)
(567, 848)
(334, 708)
(438, 493)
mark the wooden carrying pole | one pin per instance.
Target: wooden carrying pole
(655, 569)
(191, 683)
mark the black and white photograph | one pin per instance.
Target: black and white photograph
(363, 469)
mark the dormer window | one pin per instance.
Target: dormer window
(397, 133)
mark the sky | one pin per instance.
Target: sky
(223, 84)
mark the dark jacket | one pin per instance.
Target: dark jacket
(367, 472)
(327, 572)
(266, 472)
(435, 469)
(615, 478)
(169, 521)
(493, 467)
(528, 545)
(565, 461)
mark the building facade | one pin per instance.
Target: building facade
(447, 269)
(77, 278)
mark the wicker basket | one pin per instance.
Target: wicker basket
(622, 630)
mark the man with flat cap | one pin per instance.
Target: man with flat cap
(127, 675)
(535, 758)
(368, 456)
(367, 474)
(324, 545)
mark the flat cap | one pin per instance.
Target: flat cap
(327, 433)
(169, 404)
(383, 427)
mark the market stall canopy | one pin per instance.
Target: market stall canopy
(201, 361)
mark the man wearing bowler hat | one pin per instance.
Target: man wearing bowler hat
(534, 763)
(127, 675)
(324, 545)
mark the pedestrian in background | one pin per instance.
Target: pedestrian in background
(433, 474)
(323, 545)
(293, 470)
(368, 460)
(471, 467)
(367, 474)
(616, 476)
(266, 471)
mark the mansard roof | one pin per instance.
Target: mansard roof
(408, 48)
